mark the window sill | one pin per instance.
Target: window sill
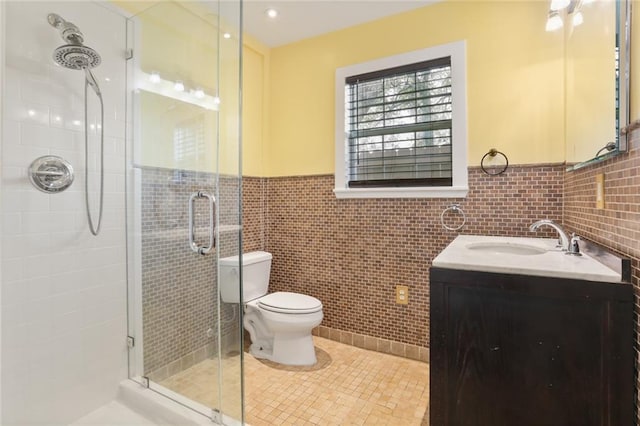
(420, 192)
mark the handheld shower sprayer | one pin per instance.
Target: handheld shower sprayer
(91, 81)
(76, 56)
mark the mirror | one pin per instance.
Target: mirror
(597, 80)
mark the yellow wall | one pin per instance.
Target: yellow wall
(229, 147)
(182, 41)
(515, 85)
(515, 82)
(179, 45)
(255, 108)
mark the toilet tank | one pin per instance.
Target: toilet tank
(255, 276)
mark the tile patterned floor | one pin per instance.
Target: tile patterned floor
(200, 383)
(348, 386)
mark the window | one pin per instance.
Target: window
(401, 126)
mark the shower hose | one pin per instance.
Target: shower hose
(94, 228)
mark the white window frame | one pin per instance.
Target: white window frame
(460, 180)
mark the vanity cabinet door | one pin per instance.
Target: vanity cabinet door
(513, 350)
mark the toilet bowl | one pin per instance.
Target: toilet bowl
(279, 324)
(280, 331)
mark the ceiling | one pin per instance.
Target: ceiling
(300, 19)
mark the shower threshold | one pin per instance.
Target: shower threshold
(137, 405)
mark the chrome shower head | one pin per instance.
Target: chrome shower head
(76, 57)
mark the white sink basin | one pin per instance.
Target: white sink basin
(526, 256)
(499, 247)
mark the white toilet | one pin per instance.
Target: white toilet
(279, 323)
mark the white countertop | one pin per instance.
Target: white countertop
(551, 262)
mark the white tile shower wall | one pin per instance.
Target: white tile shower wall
(63, 291)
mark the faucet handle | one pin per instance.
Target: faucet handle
(574, 246)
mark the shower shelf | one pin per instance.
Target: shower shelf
(184, 231)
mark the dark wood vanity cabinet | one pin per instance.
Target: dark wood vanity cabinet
(515, 350)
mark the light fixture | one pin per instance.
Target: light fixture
(154, 77)
(76, 122)
(271, 13)
(577, 19)
(554, 22)
(31, 113)
(107, 79)
(180, 90)
(559, 4)
(216, 100)
(226, 35)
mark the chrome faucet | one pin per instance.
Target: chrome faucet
(563, 241)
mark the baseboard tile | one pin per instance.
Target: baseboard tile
(404, 350)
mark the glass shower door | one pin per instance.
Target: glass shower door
(184, 203)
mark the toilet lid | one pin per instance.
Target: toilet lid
(291, 303)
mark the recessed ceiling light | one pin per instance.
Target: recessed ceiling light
(226, 35)
(271, 13)
(199, 93)
(178, 86)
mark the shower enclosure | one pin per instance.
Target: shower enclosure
(185, 202)
(109, 265)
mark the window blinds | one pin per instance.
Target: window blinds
(399, 126)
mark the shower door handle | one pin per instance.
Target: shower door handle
(192, 239)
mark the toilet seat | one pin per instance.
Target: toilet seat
(289, 303)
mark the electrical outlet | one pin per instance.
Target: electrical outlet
(402, 295)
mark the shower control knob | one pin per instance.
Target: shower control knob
(51, 174)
